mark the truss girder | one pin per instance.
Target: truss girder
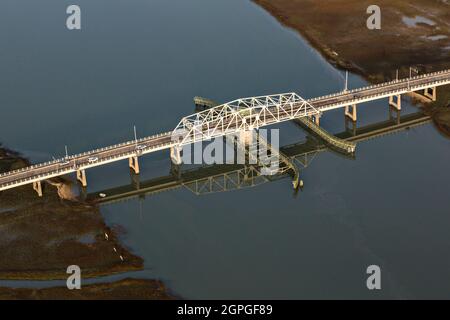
(241, 115)
(246, 177)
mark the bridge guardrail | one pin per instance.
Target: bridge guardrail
(343, 145)
(384, 84)
(71, 157)
(355, 100)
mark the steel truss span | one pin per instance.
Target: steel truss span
(241, 115)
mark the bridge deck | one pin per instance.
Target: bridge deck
(163, 141)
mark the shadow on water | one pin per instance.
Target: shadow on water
(40, 237)
(204, 180)
(441, 118)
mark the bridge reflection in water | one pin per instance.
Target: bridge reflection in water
(240, 116)
(226, 177)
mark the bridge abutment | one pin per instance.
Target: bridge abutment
(37, 186)
(134, 164)
(396, 102)
(81, 176)
(350, 112)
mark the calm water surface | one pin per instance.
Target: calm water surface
(140, 62)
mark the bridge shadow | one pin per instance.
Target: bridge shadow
(222, 178)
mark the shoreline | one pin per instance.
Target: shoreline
(41, 237)
(322, 49)
(429, 55)
(310, 21)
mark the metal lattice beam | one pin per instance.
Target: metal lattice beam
(241, 115)
(246, 177)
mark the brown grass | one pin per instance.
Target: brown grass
(340, 26)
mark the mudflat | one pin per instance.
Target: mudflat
(41, 236)
(413, 33)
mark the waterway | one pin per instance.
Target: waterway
(140, 63)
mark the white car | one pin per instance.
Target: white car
(63, 162)
(140, 148)
(92, 159)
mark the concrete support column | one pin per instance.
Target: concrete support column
(396, 103)
(394, 114)
(432, 94)
(297, 182)
(37, 186)
(175, 154)
(134, 164)
(83, 194)
(135, 181)
(175, 170)
(246, 137)
(81, 176)
(350, 111)
(350, 126)
(316, 119)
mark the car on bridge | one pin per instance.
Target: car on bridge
(64, 162)
(140, 148)
(92, 159)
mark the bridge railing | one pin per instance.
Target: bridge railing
(384, 84)
(66, 170)
(358, 99)
(141, 140)
(75, 156)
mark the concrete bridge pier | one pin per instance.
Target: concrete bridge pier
(81, 176)
(134, 164)
(350, 112)
(394, 114)
(350, 126)
(245, 137)
(316, 118)
(135, 180)
(83, 193)
(396, 103)
(297, 182)
(175, 155)
(37, 186)
(175, 170)
(431, 95)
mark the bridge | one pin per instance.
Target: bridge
(236, 117)
(223, 178)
